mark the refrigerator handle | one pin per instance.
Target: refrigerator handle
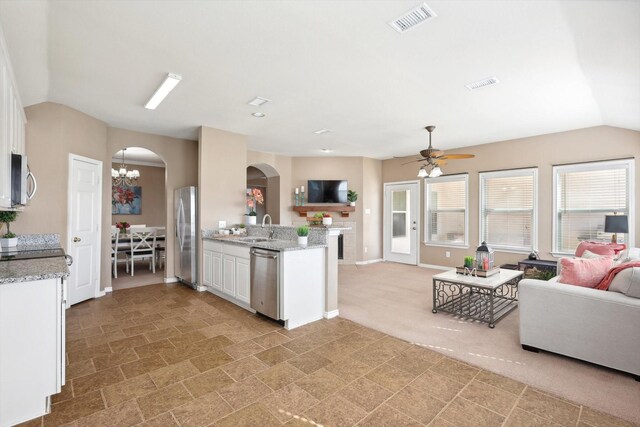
(180, 224)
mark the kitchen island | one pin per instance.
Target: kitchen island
(32, 334)
(295, 292)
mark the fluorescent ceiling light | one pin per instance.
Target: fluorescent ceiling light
(161, 93)
(257, 101)
(321, 131)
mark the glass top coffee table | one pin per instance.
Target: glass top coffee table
(479, 298)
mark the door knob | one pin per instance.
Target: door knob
(76, 239)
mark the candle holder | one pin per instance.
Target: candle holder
(297, 200)
(302, 198)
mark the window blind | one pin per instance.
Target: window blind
(584, 194)
(446, 210)
(508, 209)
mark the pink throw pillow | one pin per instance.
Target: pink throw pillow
(599, 248)
(584, 272)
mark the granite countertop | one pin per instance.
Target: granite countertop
(27, 270)
(273, 245)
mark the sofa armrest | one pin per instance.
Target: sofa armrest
(589, 324)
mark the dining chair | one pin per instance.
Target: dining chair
(160, 248)
(137, 225)
(115, 235)
(143, 246)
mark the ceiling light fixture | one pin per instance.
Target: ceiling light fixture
(258, 114)
(321, 131)
(326, 150)
(435, 172)
(257, 101)
(122, 176)
(161, 93)
(422, 173)
(489, 81)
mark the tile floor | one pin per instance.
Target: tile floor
(164, 355)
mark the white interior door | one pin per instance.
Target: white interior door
(401, 207)
(83, 227)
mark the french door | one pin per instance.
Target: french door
(401, 208)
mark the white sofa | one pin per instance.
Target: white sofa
(601, 327)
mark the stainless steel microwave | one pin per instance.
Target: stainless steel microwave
(23, 183)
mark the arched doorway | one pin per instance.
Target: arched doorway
(267, 179)
(139, 203)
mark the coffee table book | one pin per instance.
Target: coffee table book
(480, 273)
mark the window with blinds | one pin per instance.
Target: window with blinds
(508, 209)
(583, 194)
(446, 213)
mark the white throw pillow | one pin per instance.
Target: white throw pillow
(627, 282)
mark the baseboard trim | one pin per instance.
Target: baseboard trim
(371, 261)
(170, 279)
(100, 294)
(331, 314)
(201, 288)
(108, 289)
(435, 267)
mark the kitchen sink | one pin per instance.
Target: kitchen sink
(252, 239)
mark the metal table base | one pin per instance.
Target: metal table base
(473, 302)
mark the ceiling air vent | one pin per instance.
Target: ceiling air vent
(412, 18)
(483, 83)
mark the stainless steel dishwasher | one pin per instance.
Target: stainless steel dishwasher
(264, 282)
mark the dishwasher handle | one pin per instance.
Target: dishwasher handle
(263, 255)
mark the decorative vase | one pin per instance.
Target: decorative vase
(327, 221)
(302, 241)
(11, 242)
(250, 220)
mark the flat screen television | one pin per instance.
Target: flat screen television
(327, 191)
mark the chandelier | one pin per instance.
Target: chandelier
(123, 176)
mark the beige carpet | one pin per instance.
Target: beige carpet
(397, 299)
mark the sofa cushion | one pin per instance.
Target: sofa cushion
(627, 282)
(599, 248)
(586, 255)
(583, 271)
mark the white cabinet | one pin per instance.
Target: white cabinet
(226, 270)
(243, 287)
(32, 352)
(12, 125)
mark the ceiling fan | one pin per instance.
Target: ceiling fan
(435, 157)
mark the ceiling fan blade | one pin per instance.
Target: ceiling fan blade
(440, 162)
(431, 153)
(457, 156)
(414, 161)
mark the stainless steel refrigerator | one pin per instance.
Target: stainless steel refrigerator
(186, 254)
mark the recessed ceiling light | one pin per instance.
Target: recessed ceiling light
(483, 83)
(321, 131)
(258, 114)
(326, 150)
(160, 94)
(257, 101)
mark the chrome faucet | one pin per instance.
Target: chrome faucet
(264, 218)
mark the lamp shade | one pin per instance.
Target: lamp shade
(616, 224)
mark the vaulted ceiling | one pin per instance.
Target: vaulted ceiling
(334, 64)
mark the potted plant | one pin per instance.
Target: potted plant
(303, 235)
(352, 197)
(326, 218)
(468, 261)
(317, 218)
(254, 197)
(9, 239)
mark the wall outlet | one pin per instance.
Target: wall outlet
(367, 211)
(222, 224)
(447, 254)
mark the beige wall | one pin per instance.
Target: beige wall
(371, 201)
(153, 211)
(53, 132)
(181, 159)
(583, 145)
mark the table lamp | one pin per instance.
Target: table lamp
(616, 224)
